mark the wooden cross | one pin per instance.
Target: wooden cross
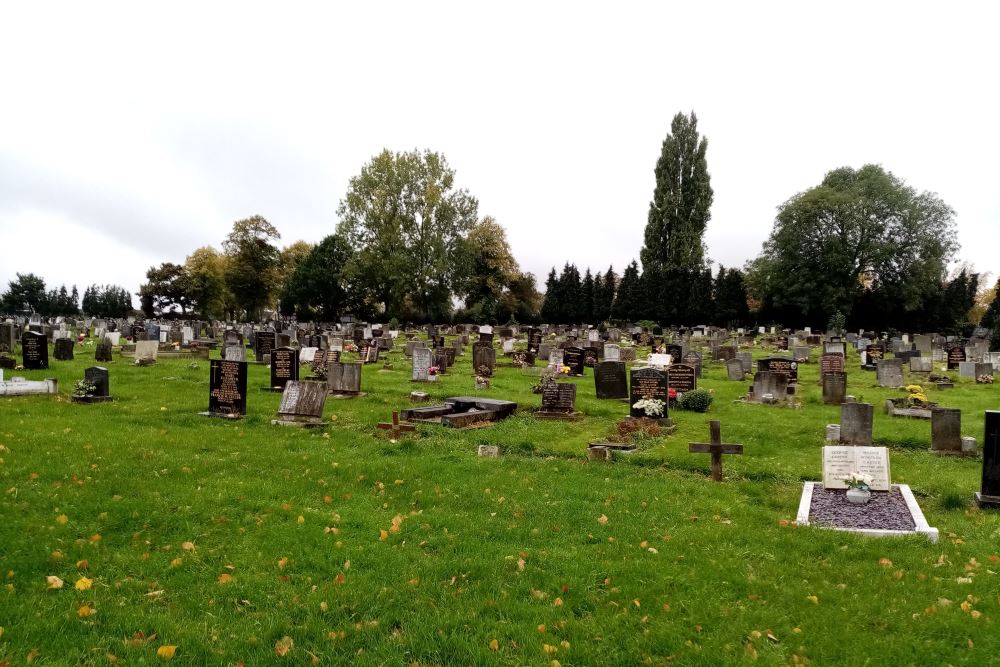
(396, 426)
(716, 448)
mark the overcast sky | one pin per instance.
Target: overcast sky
(133, 133)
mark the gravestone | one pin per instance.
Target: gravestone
(802, 353)
(556, 358)
(956, 355)
(946, 431)
(227, 388)
(558, 399)
(767, 383)
(716, 448)
(988, 495)
(421, 362)
(483, 354)
(659, 360)
(98, 376)
(264, 342)
(694, 359)
(63, 350)
(873, 354)
(34, 351)
(627, 354)
(534, 341)
(612, 352)
(302, 404)
(889, 373)
(747, 359)
(574, 358)
(591, 356)
(734, 369)
(610, 381)
(781, 365)
(234, 353)
(834, 387)
(921, 364)
(102, 351)
(146, 352)
(856, 423)
(831, 363)
(839, 462)
(523, 358)
(647, 383)
(981, 369)
(674, 350)
(344, 379)
(682, 378)
(284, 366)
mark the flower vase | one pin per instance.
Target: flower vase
(858, 496)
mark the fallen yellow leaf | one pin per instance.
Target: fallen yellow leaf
(85, 610)
(494, 645)
(603, 520)
(283, 646)
(282, 562)
(177, 562)
(187, 546)
(225, 578)
(813, 599)
(383, 535)
(54, 582)
(62, 519)
(301, 520)
(83, 584)
(166, 652)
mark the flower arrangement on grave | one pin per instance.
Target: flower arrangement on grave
(433, 370)
(483, 377)
(547, 377)
(916, 397)
(653, 407)
(564, 370)
(83, 388)
(985, 378)
(857, 480)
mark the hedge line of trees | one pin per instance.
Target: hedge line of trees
(27, 294)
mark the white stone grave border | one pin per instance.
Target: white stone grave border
(921, 527)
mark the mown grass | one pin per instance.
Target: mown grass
(555, 558)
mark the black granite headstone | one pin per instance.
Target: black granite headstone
(63, 349)
(227, 387)
(610, 380)
(681, 377)
(264, 342)
(97, 376)
(284, 366)
(989, 490)
(647, 383)
(35, 351)
(559, 397)
(574, 358)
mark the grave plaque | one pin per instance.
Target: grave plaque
(574, 358)
(302, 402)
(834, 387)
(610, 380)
(34, 350)
(956, 355)
(781, 365)
(227, 387)
(647, 383)
(839, 462)
(559, 397)
(831, 362)
(681, 378)
(284, 366)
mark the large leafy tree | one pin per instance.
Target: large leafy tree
(860, 233)
(206, 281)
(406, 222)
(318, 288)
(166, 287)
(491, 268)
(252, 266)
(521, 300)
(991, 318)
(27, 289)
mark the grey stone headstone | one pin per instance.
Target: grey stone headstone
(967, 369)
(559, 397)
(921, 364)
(303, 399)
(421, 362)
(344, 378)
(946, 430)
(233, 353)
(735, 370)
(611, 352)
(769, 383)
(834, 388)
(856, 421)
(889, 373)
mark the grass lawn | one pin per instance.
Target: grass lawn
(244, 543)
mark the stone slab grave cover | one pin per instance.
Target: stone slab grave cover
(834, 388)
(648, 383)
(301, 404)
(610, 380)
(284, 367)
(988, 495)
(682, 378)
(856, 421)
(574, 358)
(735, 370)
(227, 389)
(462, 411)
(558, 401)
(97, 376)
(344, 379)
(63, 350)
(889, 373)
(34, 351)
(18, 386)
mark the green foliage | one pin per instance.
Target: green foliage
(167, 287)
(494, 288)
(107, 301)
(27, 289)
(699, 400)
(682, 199)
(206, 282)
(837, 323)
(991, 318)
(862, 242)
(252, 265)
(627, 299)
(319, 287)
(406, 223)
(731, 307)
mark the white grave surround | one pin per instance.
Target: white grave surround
(921, 527)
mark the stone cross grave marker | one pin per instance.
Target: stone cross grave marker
(397, 427)
(716, 448)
